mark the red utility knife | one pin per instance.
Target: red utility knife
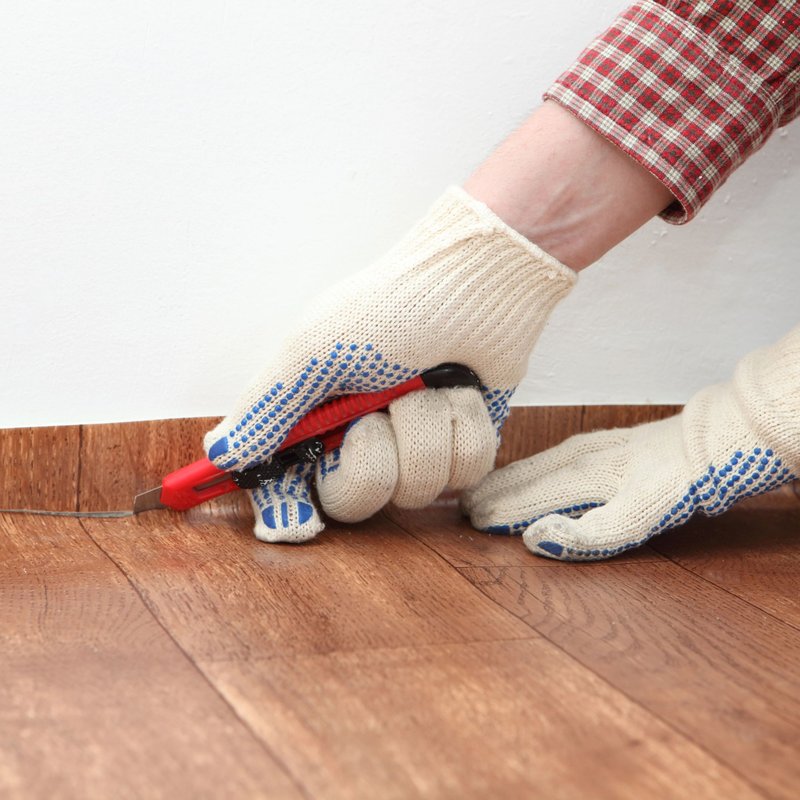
(318, 431)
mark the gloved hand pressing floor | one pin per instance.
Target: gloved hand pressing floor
(599, 494)
(460, 287)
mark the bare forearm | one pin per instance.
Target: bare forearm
(566, 188)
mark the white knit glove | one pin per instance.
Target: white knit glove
(460, 287)
(599, 494)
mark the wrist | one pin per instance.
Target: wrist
(565, 187)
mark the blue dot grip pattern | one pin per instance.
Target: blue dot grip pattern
(329, 463)
(743, 475)
(276, 500)
(345, 369)
(498, 403)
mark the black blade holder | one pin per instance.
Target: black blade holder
(306, 452)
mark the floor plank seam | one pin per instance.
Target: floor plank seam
(441, 558)
(671, 726)
(79, 472)
(728, 591)
(418, 646)
(195, 666)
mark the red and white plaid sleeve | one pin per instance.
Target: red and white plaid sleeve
(689, 89)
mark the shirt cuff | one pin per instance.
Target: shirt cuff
(674, 99)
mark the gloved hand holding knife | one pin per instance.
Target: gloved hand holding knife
(461, 287)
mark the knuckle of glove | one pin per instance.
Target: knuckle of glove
(445, 437)
(363, 478)
(474, 438)
(429, 440)
(422, 424)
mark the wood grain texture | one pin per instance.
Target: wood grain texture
(500, 719)
(175, 655)
(225, 595)
(40, 467)
(596, 418)
(531, 429)
(97, 700)
(121, 460)
(711, 665)
(753, 553)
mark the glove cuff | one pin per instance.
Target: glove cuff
(455, 199)
(484, 282)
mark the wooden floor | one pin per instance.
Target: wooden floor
(173, 655)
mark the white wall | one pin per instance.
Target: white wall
(175, 179)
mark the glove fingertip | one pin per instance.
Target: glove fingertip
(284, 510)
(542, 538)
(288, 521)
(561, 537)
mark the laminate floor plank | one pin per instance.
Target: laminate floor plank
(509, 719)
(96, 700)
(753, 551)
(600, 418)
(716, 668)
(173, 655)
(275, 628)
(223, 594)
